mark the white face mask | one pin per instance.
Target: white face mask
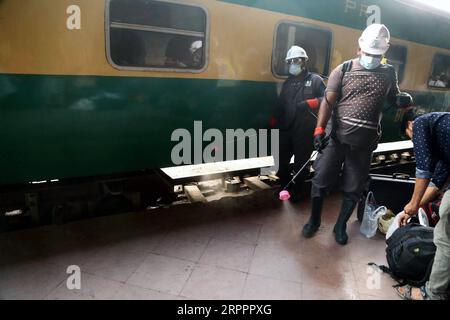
(295, 69)
(369, 62)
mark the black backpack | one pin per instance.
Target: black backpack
(410, 254)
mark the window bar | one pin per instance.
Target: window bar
(129, 26)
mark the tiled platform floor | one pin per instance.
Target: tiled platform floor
(236, 248)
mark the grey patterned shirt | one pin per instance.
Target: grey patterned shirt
(357, 115)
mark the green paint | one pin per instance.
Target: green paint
(78, 126)
(69, 126)
(402, 20)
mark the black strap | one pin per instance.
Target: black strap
(402, 282)
(302, 91)
(308, 76)
(386, 269)
(346, 67)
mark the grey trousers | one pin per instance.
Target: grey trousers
(439, 281)
(327, 166)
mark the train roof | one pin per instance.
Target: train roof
(410, 21)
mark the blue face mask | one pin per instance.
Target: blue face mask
(368, 62)
(295, 69)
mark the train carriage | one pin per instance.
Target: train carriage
(94, 88)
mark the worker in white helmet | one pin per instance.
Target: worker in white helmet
(184, 53)
(355, 94)
(296, 116)
(196, 51)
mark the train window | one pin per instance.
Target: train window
(316, 42)
(396, 56)
(156, 35)
(440, 72)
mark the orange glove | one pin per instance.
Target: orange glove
(313, 103)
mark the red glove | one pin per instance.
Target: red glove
(319, 131)
(313, 103)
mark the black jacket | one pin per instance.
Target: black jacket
(295, 91)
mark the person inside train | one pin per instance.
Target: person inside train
(196, 51)
(442, 81)
(295, 114)
(127, 48)
(430, 134)
(184, 52)
(177, 52)
(355, 94)
(439, 81)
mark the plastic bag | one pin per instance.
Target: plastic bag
(422, 216)
(372, 212)
(394, 226)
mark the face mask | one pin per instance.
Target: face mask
(295, 69)
(368, 62)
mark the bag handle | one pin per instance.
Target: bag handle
(401, 176)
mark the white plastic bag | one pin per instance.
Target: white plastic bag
(372, 212)
(423, 220)
(394, 226)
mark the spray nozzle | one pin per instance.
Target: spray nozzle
(284, 195)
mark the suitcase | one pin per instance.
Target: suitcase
(392, 191)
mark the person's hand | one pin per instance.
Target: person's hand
(320, 141)
(409, 211)
(403, 220)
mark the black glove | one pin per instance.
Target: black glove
(403, 100)
(320, 142)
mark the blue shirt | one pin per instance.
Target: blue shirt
(431, 138)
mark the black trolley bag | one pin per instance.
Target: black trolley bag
(392, 191)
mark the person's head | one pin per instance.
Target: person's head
(408, 119)
(296, 59)
(373, 44)
(196, 52)
(177, 52)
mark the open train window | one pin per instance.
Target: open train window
(156, 35)
(396, 56)
(440, 72)
(316, 41)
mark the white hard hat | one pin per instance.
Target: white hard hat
(196, 45)
(375, 39)
(296, 52)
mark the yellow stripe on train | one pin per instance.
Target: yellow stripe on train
(35, 39)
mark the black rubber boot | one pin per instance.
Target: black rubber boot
(340, 228)
(313, 224)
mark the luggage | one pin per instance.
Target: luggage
(392, 191)
(432, 210)
(410, 253)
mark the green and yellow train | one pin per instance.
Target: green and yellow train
(96, 87)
